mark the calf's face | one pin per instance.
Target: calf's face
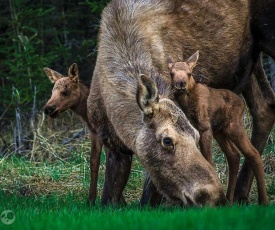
(181, 72)
(65, 93)
(167, 148)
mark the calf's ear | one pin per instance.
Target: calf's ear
(73, 73)
(147, 95)
(170, 62)
(52, 75)
(192, 61)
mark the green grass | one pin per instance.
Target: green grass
(21, 176)
(48, 189)
(53, 212)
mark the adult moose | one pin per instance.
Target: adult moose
(130, 110)
(135, 38)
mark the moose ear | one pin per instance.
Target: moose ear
(147, 95)
(170, 62)
(73, 73)
(52, 75)
(197, 137)
(192, 61)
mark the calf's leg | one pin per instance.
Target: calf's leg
(233, 159)
(96, 148)
(206, 145)
(254, 160)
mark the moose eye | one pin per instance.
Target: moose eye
(189, 74)
(65, 93)
(167, 141)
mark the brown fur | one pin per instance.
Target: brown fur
(217, 112)
(71, 93)
(145, 132)
(137, 36)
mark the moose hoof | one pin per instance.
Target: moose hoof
(242, 200)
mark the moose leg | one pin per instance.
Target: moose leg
(233, 159)
(118, 168)
(254, 159)
(263, 119)
(109, 178)
(206, 145)
(96, 148)
(150, 194)
(123, 172)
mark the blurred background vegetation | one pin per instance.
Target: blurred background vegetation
(34, 35)
(37, 34)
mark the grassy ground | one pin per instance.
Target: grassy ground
(70, 213)
(47, 187)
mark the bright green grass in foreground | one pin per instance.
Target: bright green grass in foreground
(68, 213)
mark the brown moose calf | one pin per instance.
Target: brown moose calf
(71, 93)
(218, 113)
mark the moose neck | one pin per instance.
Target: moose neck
(81, 108)
(190, 96)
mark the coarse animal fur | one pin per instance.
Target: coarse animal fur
(71, 93)
(135, 38)
(165, 143)
(218, 113)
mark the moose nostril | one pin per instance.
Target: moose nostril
(49, 110)
(180, 85)
(202, 196)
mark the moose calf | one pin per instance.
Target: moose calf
(218, 113)
(71, 93)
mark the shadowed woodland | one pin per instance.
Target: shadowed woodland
(35, 35)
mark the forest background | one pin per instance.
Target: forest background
(34, 35)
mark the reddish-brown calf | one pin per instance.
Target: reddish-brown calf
(71, 93)
(218, 113)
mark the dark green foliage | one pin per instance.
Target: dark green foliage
(269, 66)
(36, 34)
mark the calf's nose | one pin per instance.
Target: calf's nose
(48, 110)
(180, 85)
